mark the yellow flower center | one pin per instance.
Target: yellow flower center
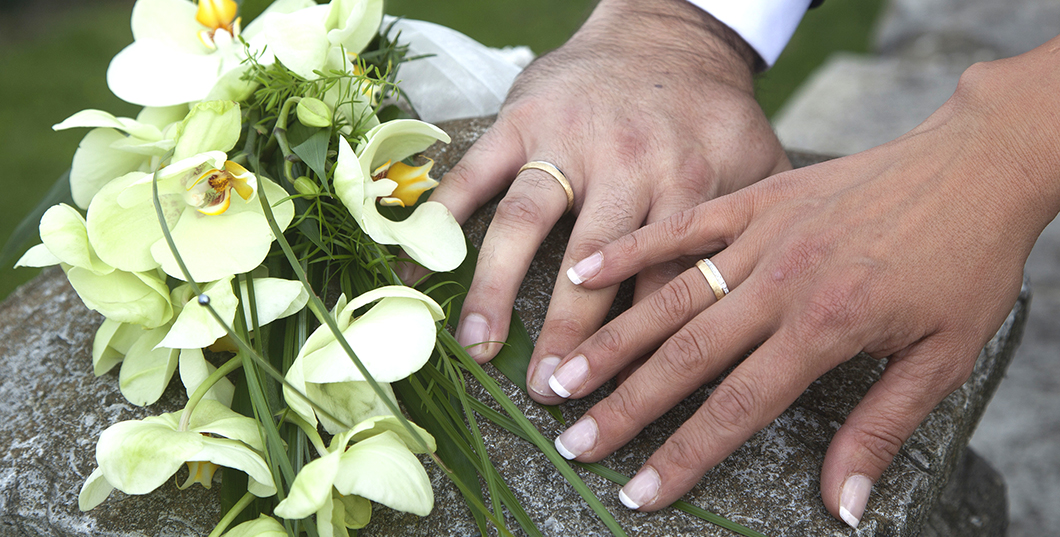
(412, 181)
(200, 472)
(217, 15)
(211, 193)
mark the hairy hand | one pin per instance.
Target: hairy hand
(648, 110)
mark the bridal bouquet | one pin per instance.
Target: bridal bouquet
(245, 233)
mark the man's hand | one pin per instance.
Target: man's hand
(648, 110)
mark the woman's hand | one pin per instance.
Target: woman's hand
(912, 251)
(648, 110)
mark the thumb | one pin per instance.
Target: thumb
(914, 381)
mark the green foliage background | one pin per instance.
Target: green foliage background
(54, 55)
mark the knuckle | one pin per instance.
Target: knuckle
(685, 353)
(518, 209)
(566, 328)
(672, 303)
(462, 177)
(610, 341)
(687, 453)
(878, 443)
(624, 406)
(679, 225)
(733, 404)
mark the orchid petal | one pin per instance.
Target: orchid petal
(431, 235)
(298, 40)
(383, 470)
(38, 256)
(295, 393)
(195, 327)
(357, 511)
(233, 454)
(94, 491)
(399, 139)
(97, 162)
(183, 76)
(113, 340)
(274, 298)
(162, 116)
(122, 236)
(348, 402)
(210, 126)
(194, 369)
(63, 231)
(169, 21)
(139, 456)
(146, 370)
(311, 488)
(99, 118)
(393, 340)
(374, 425)
(354, 23)
(263, 526)
(136, 298)
(216, 418)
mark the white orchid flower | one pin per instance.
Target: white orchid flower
(209, 203)
(379, 466)
(138, 456)
(430, 235)
(393, 340)
(117, 145)
(149, 358)
(181, 50)
(130, 297)
(307, 40)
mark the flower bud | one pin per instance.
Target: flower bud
(313, 112)
(306, 186)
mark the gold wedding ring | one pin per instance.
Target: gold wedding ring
(552, 170)
(714, 279)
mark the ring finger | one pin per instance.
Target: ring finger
(533, 204)
(648, 324)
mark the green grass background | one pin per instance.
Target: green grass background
(54, 55)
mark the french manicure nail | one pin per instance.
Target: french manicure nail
(472, 332)
(539, 380)
(570, 376)
(581, 437)
(640, 490)
(853, 498)
(586, 268)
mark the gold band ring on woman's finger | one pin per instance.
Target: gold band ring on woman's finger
(552, 170)
(714, 279)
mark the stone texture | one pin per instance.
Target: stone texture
(54, 409)
(853, 102)
(977, 30)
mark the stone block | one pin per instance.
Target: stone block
(53, 410)
(853, 102)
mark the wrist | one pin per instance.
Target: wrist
(674, 31)
(1013, 108)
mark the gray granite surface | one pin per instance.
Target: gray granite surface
(53, 409)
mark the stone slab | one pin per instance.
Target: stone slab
(855, 102)
(52, 411)
(966, 29)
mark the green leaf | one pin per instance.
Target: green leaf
(26, 230)
(314, 152)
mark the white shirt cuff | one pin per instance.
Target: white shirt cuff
(766, 25)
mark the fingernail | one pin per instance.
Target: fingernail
(570, 376)
(472, 332)
(586, 268)
(853, 498)
(642, 489)
(539, 381)
(581, 437)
